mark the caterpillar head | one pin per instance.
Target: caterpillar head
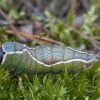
(6, 49)
(1, 54)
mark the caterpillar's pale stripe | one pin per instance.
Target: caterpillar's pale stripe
(43, 62)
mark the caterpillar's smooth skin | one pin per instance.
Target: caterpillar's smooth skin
(20, 58)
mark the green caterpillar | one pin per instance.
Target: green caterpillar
(20, 58)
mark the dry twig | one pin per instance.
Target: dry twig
(10, 23)
(37, 38)
(94, 42)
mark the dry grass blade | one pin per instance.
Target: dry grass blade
(10, 23)
(94, 42)
(37, 38)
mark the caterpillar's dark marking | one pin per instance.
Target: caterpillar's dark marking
(43, 59)
(1, 54)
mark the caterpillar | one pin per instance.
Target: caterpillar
(20, 58)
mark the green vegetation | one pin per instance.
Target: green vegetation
(84, 85)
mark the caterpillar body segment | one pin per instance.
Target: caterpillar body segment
(20, 58)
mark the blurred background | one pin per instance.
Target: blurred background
(74, 23)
